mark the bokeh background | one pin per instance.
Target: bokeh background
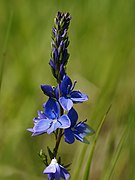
(102, 60)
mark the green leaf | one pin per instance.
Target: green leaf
(59, 160)
(51, 155)
(43, 157)
(66, 166)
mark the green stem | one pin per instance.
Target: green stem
(60, 133)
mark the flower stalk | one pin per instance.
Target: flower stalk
(60, 134)
(58, 115)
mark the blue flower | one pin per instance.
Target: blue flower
(41, 124)
(56, 171)
(50, 91)
(49, 120)
(78, 131)
(68, 95)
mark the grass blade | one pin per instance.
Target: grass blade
(87, 169)
(4, 51)
(125, 139)
(78, 161)
(115, 158)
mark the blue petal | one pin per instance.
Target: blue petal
(81, 137)
(66, 103)
(52, 109)
(47, 90)
(77, 96)
(69, 136)
(41, 126)
(50, 169)
(64, 121)
(84, 129)
(57, 174)
(36, 119)
(38, 133)
(65, 85)
(51, 176)
(53, 127)
(57, 92)
(64, 173)
(41, 115)
(73, 116)
(35, 133)
(30, 130)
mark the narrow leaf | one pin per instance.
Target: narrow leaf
(51, 155)
(115, 157)
(88, 165)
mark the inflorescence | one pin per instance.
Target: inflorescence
(58, 115)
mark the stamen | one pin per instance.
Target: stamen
(73, 85)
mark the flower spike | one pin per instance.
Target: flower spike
(58, 115)
(60, 42)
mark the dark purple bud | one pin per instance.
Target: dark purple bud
(62, 71)
(48, 90)
(64, 33)
(55, 55)
(51, 63)
(54, 31)
(65, 57)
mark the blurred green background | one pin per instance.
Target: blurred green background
(102, 60)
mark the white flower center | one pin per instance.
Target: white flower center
(55, 120)
(53, 161)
